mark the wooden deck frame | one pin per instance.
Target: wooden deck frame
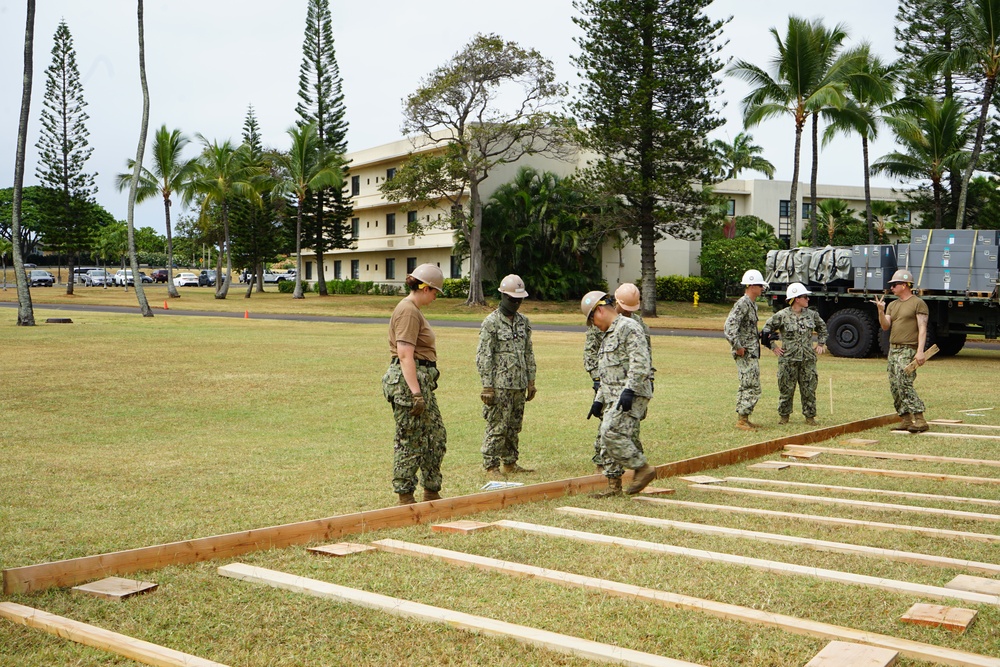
(73, 571)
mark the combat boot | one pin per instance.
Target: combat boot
(431, 495)
(904, 424)
(494, 472)
(511, 468)
(406, 499)
(919, 424)
(614, 489)
(743, 423)
(811, 421)
(782, 419)
(640, 478)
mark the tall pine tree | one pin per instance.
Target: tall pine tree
(63, 153)
(649, 71)
(321, 102)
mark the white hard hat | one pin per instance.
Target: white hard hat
(796, 290)
(753, 277)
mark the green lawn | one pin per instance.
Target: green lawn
(122, 432)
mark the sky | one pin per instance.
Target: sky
(207, 61)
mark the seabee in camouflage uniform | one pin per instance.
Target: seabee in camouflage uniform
(906, 320)
(506, 364)
(741, 332)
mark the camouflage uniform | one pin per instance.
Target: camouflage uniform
(797, 365)
(623, 363)
(506, 362)
(904, 396)
(420, 442)
(741, 331)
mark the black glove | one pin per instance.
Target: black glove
(596, 410)
(597, 385)
(767, 337)
(625, 400)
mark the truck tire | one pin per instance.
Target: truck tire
(950, 345)
(852, 333)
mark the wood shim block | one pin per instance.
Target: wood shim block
(702, 479)
(115, 588)
(955, 619)
(944, 421)
(965, 582)
(768, 465)
(657, 491)
(462, 526)
(801, 455)
(341, 549)
(859, 441)
(844, 654)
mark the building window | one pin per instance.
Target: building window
(456, 266)
(355, 269)
(355, 186)
(411, 263)
(309, 270)
(336, 269)
(807, 208)
(411, 222)
(355, 227)
(390, 268)
(784, 209)
(731, 207)
(903, 214)
(390, 223)
(389, 173)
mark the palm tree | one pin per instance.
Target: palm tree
(801, 81)
(219, 175)
(305, 168)
(169, 174)
(137, 164)
(25, 310)
(933, 135)
(883, 218)
(833, 214)
(741, 155)
(871, 89)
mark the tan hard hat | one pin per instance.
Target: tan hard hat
(627, 296)
(591, 300)
(512, 285)
(429, 275)
(901, 276)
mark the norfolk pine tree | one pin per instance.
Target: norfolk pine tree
(25, 311)
(649, 73)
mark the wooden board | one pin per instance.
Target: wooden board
(827, 500)
(454, 619)
(958, 423)
(901, 456)
(91, 635)
(801, 455)
(939, 434)
(115, 588)
(912, 474)
(340, 549)
(861, 490)
(861, 442)
(955, 619)
(928, 353)
(657, 491)
(946, 422)
(844, 654)
(72, 571)
(964, 582)
(792, 624)
(463, 526)
(702, 479)
(833, 520)
(774, 567)
(792, 540)
(976, 410)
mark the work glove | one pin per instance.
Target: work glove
(488, 395)
(597, 385)
(418, 405)
(596, 410)
(625, 400)
(531, 391)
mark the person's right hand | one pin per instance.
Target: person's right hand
(596, 410)
(488, 396)
(418, 405)
(880, 302)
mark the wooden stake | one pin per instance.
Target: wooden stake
(928, 353)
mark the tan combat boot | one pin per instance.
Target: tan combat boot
(640, 479)
(811, 421)
(431, 495)
(743, 423)
(904, 424)
(494, 472)
(406, 499)
(511, 468)
(919, 424)
(614, 489)
(782, 419)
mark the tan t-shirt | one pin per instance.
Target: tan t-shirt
(904, 329)
(409, 325)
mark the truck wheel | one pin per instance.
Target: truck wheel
(852, 333)
(950, 345)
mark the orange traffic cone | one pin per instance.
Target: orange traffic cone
(246, 314)
(165, 306)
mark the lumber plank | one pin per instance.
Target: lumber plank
(928, 353)
(976, 410)
(800, 454)
(91, 635)
(832, 520)
(463, 526)
(945, 422)
(913, 474)
(958, 423)
(459, 620)
(775, 567)
(867, 504)
(701, 479)
(955, 619)
(967, 436)
(792, 624)
(964, 582)
(340, 549)
(900, 455)
(768, 465)
(116, 588)
(857, 489)
(864, 442)
(72, 571)
(792, 540)
(844, 654)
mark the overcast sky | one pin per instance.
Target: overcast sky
(208, 60)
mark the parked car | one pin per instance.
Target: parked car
(206, 277)
(41, 278)
(185, 279)
(80, 274)
(123, 277)
(160, 275)
(97, 278)
(277, 277)
(144, 278)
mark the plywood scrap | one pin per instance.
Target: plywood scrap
(791, 624)
(115, 588)
(91, 635)
(955, 619)
(800, 454)
(455, 619)
(463, 526)
(862, 490)
(902, 456)
(964, 582)
(340, 549)
(844, 654)
(768, 465)
(774, 567)
(702, 479)
(909, 474)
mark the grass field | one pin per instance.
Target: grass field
(122, 432)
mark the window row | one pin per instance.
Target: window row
(390, 224)
(356, 181)
(390, 268)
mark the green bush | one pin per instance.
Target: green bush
(681, 288)
(725, 261)
(286, 286)
(455, 288)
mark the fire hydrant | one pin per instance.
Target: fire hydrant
(695, 299)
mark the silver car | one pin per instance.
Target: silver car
(97, 278)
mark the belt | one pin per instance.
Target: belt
(911, 347)
(419, 362)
